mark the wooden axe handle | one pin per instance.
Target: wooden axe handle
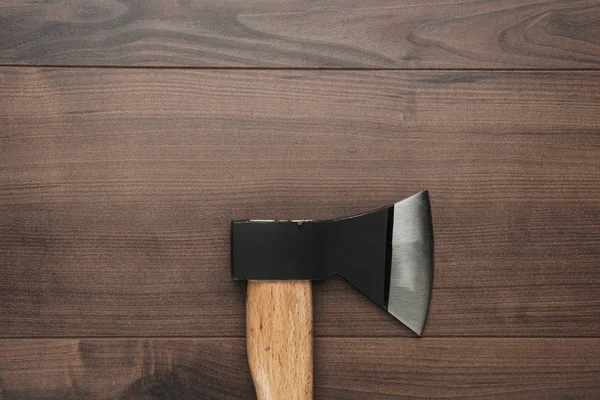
(279, 327)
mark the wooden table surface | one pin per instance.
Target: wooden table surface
(132, 133)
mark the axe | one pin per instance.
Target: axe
(387, 254)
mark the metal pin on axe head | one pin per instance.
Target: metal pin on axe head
(387, 254)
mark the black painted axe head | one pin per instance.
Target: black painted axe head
(387, 254)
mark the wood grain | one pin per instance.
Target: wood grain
(346, 369)
(301, 33)
(124, 369)
(117, 188)
(279, 339)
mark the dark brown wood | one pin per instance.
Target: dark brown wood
(366, 368)
(124, 369)
(302, 33)
(117, 188)
(465, 368)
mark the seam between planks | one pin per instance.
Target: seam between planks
(425, 338)
(183, 67)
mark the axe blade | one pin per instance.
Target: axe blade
(387, 254)
(411, 275)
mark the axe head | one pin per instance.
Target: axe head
(387, 254)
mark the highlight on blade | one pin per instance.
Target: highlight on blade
(411, 277)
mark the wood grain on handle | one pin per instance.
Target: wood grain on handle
(279, 339)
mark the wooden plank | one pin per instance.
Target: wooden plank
(117, 188)
(391, 368)
(340, 33)
(124, 369)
